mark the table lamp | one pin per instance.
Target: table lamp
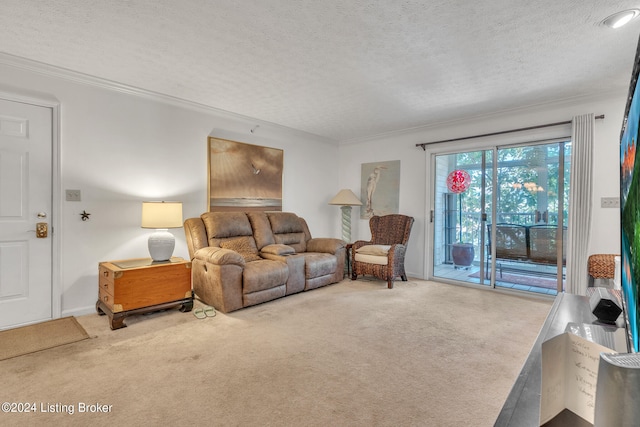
(161, 216)
(346, 199)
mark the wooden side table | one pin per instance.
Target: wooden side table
(348, 250)
(136, 286)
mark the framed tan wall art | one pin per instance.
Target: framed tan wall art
(380, 194)
(244, 177)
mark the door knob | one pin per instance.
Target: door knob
(42, 215)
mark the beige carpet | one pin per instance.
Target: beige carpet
(350, 354)
(40, 336)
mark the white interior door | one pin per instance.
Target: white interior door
(25, 202)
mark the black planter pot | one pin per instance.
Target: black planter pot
(462, 254)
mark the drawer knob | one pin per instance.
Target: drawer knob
(105, 273)
(105, 298)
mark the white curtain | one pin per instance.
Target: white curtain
(580, 204)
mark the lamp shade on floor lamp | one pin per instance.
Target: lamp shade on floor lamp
(346, 199)
(161, 216)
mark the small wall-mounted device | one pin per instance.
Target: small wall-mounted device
(72, 195)
(610, 202)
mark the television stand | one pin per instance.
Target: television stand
(522, 407)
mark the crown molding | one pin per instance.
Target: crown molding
(555, 103)
(89, 80)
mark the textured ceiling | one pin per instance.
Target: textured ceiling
(340, 69)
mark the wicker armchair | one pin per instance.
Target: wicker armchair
(383, 255)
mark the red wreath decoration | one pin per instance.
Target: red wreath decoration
(458, 181)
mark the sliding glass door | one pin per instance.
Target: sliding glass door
(524, 247)
(462, 199)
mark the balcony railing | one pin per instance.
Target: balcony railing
(472, 225)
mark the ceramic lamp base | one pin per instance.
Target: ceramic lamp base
(161, 245)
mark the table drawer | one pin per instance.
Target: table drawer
(106, 282)
(108, 300)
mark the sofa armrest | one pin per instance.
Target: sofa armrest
(219, 256)
(325, 244)
(196, 235)
(216, 275)
(277, 249)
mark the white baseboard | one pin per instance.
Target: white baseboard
(414, 275)
(81, 311)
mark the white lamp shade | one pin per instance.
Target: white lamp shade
(345, 198)
(160, 215)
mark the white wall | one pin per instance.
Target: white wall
(605, 229)
(120, 149)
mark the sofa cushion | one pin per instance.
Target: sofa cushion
(220, 225)
(261, 229)
(288, 229)
(377, 250)
(294, 240)
(245, 246)
(263, 274)
(318, 264)
(285, 222)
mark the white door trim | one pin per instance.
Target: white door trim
(56, 200)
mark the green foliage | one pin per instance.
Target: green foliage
(516, 167)
(527, 182)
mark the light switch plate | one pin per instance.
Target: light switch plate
(72, 195)
(610, 202)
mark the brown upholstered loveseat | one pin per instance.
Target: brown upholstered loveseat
(241, 259)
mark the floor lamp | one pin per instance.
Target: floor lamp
(346, 199)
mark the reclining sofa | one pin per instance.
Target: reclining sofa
(241, 259)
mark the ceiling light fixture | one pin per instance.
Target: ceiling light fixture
(619, 19)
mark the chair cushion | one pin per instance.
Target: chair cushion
(376, 250)
(245, 246)
(372, 259)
